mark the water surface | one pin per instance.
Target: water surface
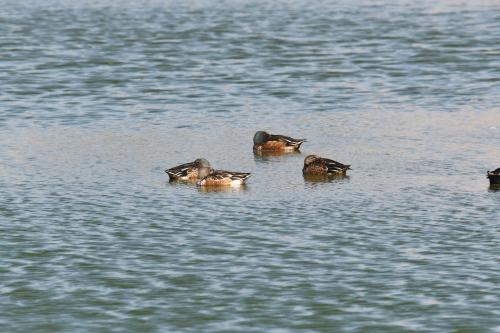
(98, 98)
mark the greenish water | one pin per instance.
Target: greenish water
(98, 98)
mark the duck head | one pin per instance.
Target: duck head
(204, 171)
(310, 159)
(261, 137)
(201, 163)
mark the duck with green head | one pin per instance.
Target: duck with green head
(263, 141)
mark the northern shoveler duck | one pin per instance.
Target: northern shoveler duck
(224, 178)
(263, 141)
(494, 176)
(197, 169)
(315, 165)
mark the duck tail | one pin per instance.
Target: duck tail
(174, 173)
(299, 142)
(171, 175)
(243, 176)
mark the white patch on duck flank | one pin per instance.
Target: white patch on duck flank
(236, 182)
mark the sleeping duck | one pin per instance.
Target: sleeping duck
(197, 169)
(224, 178)
(319, 166)
(265, 142)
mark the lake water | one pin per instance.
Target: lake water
(97, 98)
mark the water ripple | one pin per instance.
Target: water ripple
(98, 98)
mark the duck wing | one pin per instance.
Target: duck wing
(180, 170)
(287, 140)
(334, 166)
(222, 174)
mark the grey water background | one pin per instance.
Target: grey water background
(97, 98)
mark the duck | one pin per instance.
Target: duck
(263, 141)
(494, 176)
(316, 166)
(197, 169)
(224, 178)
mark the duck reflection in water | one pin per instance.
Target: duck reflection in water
(494, 188)
(263, 155)
(227, 189)
(325, 178)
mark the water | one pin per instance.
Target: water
(98, 98)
